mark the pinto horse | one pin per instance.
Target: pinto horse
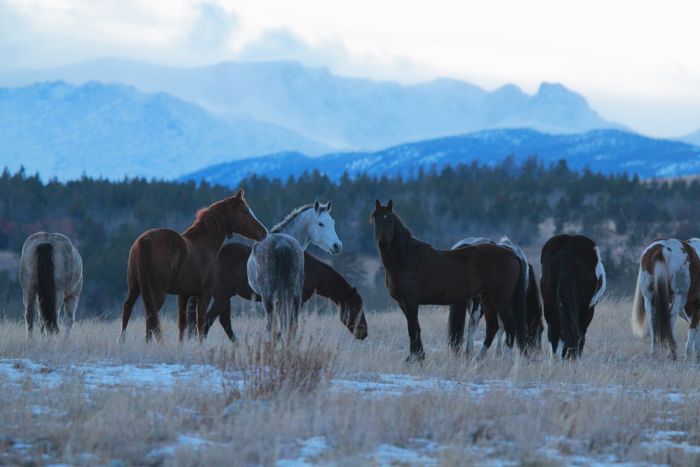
(319, 278)
(162, 261)
(533, 317)
(668, 286)
(573, 282)
(417, 274)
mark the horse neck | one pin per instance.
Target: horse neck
(299, 228)
(331, 285)
(210, 233)
(399, 244)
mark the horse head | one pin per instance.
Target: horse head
(352, 315)
(384, 221)
(241, 218)
(322, 229)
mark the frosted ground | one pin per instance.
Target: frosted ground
(340, 401)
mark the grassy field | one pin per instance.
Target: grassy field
(90, 400)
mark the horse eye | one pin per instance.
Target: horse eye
(320, 224)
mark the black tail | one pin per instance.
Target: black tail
(661, 317)
(534, 311)
(519, 306)
(46, 286)
(569, 319)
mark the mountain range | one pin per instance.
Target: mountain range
(338, 112)
(606, 151)
(64, 131)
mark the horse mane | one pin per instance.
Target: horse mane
(293, 215)
(211, 218)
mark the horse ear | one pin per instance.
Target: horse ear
(239, 194)
(390, 205)
(377, 204)
(317, 206)
(329, 205)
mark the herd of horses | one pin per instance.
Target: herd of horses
(477, 276)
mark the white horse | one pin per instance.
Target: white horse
(668, 286)
(276, 264)
(52, 271)
(473, 307)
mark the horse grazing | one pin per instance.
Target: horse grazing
(533, 311)
(668, 286)
(275, 266)
(51, 270)
(573, 282)
(319, 278)
(417, 274)
(162, 261)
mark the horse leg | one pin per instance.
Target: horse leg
(475, 311)
(29, 297)
(269, 305)
(203, 300)
(70, 305)
(191, 318)
(182, 304)
(128, 307)
(152, 307)
(225, 320)
(491, 319)
(410, 310)
(51, 326)
(676, 309)
(455, 326)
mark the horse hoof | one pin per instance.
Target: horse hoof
(415, 357)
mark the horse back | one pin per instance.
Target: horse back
(67, 263)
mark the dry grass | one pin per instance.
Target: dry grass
(357, 399)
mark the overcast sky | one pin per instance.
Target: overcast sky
(637, 62)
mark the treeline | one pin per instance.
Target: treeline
(527, 202)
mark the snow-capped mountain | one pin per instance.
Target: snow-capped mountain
(344, 113)
(692, 138)
(61, 130)
(606, 151)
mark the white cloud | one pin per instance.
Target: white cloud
(635, 60)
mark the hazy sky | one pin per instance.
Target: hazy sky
(637, 62)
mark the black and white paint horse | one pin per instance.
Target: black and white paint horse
(668, 286)
(573, 282)
(474, 309)
(50, 270)
(276, 264)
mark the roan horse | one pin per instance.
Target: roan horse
(573, 282)
(319, 278)
(52, 270)
(275, 266)
(533, 317)
(417, 274)
(668, 286)
(162, 261)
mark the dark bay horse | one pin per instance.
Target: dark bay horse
(319, 278)
(572, 283)
(668, 286)
(162, 261)
(417, 274)
(533, 311)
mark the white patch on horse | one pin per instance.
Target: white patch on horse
(600, 279)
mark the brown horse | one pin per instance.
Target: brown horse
(162, 261)
(417, 274)
(319, 278)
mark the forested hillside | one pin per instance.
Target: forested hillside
(527, 202)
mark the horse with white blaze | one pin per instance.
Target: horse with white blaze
(668, 286)
(51, 270)
(276, 264)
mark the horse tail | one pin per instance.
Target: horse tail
(534, 309)
(566, 297)
(638, 312)
(46, 286)
(661, 315)
(143, 273)
(283, 284)
(519, 305)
